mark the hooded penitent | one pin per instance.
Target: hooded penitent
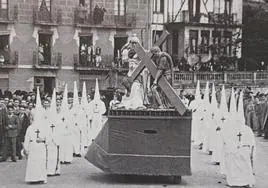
(34, 145)
(66, 146)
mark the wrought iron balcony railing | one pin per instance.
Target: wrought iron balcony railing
(222, 18)
(85, 62)
(213, 18)
(242, 77)
(83, 18)
(47, 17)
(9, 59)
(9, 15)
(52, 62)
(108, 63)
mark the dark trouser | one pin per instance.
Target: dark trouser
(2, 143)
(250, 120)
(10, 143)
(259, 125)
(18, 146)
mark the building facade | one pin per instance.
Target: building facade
(48, 43)
(200, 30)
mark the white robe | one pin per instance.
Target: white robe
(239, 156)
(36, 169)
(97, 108)
(217, 143)
(78, 124)
(195, 119)
(66, 143)
(53, 148)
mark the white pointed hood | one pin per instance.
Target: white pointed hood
(223, 104)
(97, 102)
(232, 107)
(97, 91)
(206, 95)
(84, 102)
(240, 112)
(197, 93)
(38, 104)
(53, 106)
(75, 96)
(214, 103)
(64, 103)
(38, 113)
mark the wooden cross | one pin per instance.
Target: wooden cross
(37, 133)
(52, 127)
(163, 83)
(239, 135)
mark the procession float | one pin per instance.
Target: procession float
(145, 141)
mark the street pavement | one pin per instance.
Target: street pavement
(82, 174)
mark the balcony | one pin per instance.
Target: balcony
(83, 18)
(47, 18)
(7, 17)
(52, 63)
(230, 78)
(107, 64)
(221, 19)
(9, 60)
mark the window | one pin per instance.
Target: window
(119, 42)
(86, 50)
(4, 9)
(4, 49)
(3, 4)
(44, 49)
(120, 7)
(227, 42)
(82, 2)
(216, 35)
(227, 7)
(44, 5)
(156, 36)
(159, 6)
(204, 41)
(193, 41)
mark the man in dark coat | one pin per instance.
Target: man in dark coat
(24, 124)
(11, 135)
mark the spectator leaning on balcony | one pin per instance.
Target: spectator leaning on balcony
(98, 56)
(262, 66)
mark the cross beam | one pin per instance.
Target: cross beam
(141, 66)
(163, 83)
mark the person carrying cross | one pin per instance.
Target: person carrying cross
(164, 66)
